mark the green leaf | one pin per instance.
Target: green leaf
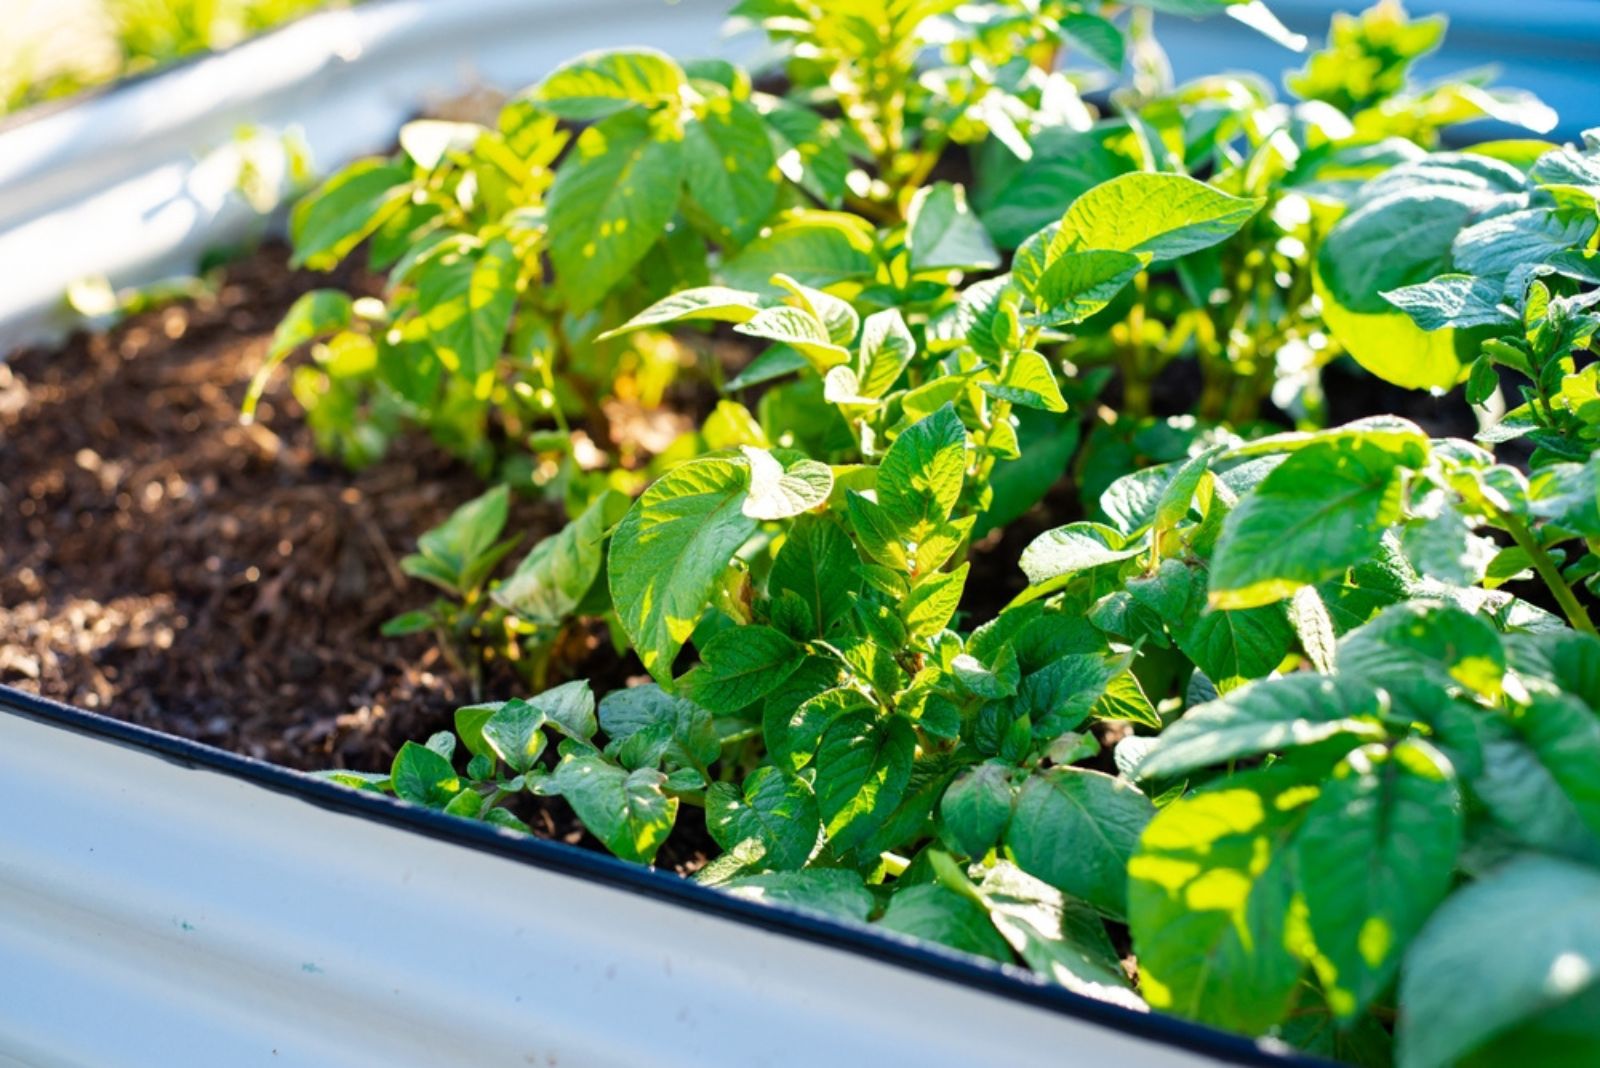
(779, 492)
(1165, 215)
(345, 210)
(932, 602)
(317, 314)
(1076, 830)
(1451, 300)
(942, 232)
(717, 303)
(553, 579)
(601, 83)
(800, 329)
(863, 768)
(818, 563)
(515, 734)
(836, 892)
(740, 666)
(976, 808)
(731, 171)
(626, 810)
(920, 477)
(669, 551)
(1078, 284)
(466, 302)
(778, 812)
(1230, 646)
(1028, 381)
(886, 349)
(469, 533)
(423, 777)
(1322, 510)
(934, 913)
(658, 726)
(1264, 717)
(1209, 895)
(569, 708)
(1099, 38)
(1376, 855)
(610, 202)
(1066, 163)
(1061, 939)
(1522, 940)
(1073, 548)
(815, 252)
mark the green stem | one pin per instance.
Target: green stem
(1576, 614)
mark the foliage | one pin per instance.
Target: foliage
(1309, 712)
(140, 35)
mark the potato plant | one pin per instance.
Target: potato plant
(1307, 715)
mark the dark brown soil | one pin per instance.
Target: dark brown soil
(163, 563)
(168, 565)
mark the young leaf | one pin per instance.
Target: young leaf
(942, 232)
(1209, 896)
(717, 303)
(1322, 510)
(739, 667)
(799, 328)
(514, 733)
(886, 349)
(1518, 942)
(598, 84)
(1028, 381)
(780, 493)
(921, 474)
(610, 202)
(818, 563)
(626, 810)
(423, 777)
(1164, 215)
(1076, 830)
(345, 210)
(780, 813)
(863, 767)
(929, 607)
(552, 580)
(1375, 856)
(669, 551)
(467, 535)
(731, 171)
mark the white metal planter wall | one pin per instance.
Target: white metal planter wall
(137, 184)
(165, 904)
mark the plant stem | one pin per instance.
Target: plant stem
(1576, 614)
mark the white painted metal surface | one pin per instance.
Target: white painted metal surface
(157, 914)
(137, 184)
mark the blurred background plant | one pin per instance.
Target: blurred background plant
(55, 48)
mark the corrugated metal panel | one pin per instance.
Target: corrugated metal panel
(157, 907)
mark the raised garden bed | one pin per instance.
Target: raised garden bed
(1051, 533)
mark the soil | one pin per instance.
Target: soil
(172, 566)
(166, 564)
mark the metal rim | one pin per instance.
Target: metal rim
(924, 958)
